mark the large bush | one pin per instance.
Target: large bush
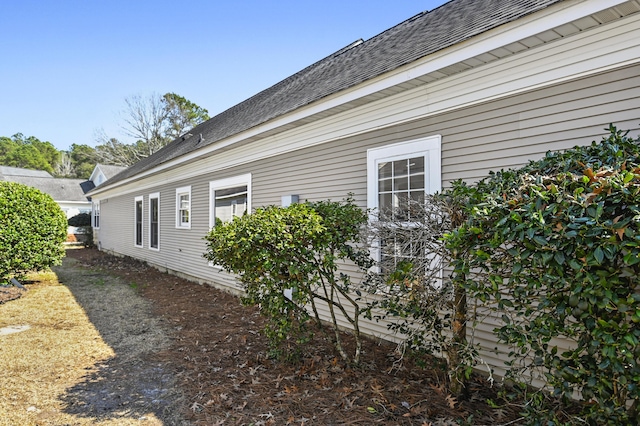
(288, 260)
(80, 220)
(33, 229)
(554, 248)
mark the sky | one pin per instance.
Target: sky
(67, 66)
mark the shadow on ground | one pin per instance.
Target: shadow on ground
(130, 386)
(123, 389)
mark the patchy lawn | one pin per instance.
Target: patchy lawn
(113, 341)
(79, 358)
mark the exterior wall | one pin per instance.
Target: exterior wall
(500, 132)
(490, 136)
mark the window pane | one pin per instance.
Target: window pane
(223, 193)
(401, 206)
(184, 206)
(417, 197)
(384, 185)
(153, 225)
(385, 202)
(154, 209)
(230, 202)
(400, 183)
(385, 170)
(184, 201)
(416, 165)
(417, 181)
(138, 223)
(400, 168)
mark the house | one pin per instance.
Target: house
(65, 192)
(100, 174)
(469, 87)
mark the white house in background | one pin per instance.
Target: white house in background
(103, 172)
(66, 192)
(469, 87)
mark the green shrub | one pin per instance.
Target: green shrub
(554, 247)
(80, 220)
(287, 259)
(33, 229)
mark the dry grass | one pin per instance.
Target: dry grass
(65, 369)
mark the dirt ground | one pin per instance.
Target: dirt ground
(213, 368)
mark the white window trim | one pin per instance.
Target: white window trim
(135, 222)
(154, 196)
(227, 183)
(430, 146)
(95, 213)
(181, 191)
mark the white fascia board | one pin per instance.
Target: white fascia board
(73, 202)
(520, 29)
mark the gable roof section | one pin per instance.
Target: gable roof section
(59, 189)
(110, 171)
(415, 38)
(18, 171)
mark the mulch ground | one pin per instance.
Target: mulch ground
(9, 292)
(220, 361)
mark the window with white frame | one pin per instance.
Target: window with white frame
(183, 207)
(95, 214)
(154, 221)
(138, 210)
(228, 198)
(398, 177)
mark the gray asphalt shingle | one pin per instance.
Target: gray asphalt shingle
(415, 38)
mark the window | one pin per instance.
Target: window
(398, 177)
(154, 221)
(95, 207)
(183, 207)
(138, 210)
(228, 198)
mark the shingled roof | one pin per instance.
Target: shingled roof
(59, 189)
(18, 171)
(110, 171)
(415, 38)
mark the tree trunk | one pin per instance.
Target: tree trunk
(457, 374)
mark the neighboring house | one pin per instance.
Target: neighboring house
(472, 86)
(66, 192)
(101, 173)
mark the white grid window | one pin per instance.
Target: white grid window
(95, 207)
(183, 207)
(154, 221)
(138, 221)
(397, 176)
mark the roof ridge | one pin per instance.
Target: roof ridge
(414, 38)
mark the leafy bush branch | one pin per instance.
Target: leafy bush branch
(288, 261)
(554, 247)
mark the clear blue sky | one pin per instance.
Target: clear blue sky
(67, 66)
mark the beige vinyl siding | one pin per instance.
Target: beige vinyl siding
(498, 134)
